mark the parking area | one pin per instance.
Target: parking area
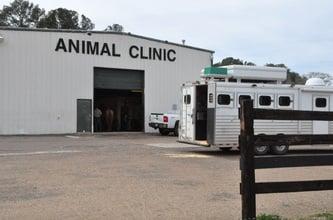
(138, 176)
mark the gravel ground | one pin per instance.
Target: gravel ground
(138, 176)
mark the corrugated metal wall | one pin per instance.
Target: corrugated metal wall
(39, 86)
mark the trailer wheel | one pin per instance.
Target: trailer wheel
(176, 131)
(261, 150)
(164, 131)
(280, 149)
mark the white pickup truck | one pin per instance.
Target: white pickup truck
(165, 122)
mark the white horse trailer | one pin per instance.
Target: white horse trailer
(209, 109)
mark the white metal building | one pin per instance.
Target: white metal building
(50, 80)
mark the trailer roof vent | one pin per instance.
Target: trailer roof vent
(315, 82)
(241, 72)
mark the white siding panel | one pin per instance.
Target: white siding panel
(306, 127)
(228, 128)
(330, 127)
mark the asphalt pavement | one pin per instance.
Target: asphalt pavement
(138, 176)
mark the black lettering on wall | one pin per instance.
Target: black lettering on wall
(149, 53)
(75, 46)
(134, 55)
(61, 45)
(83, 46)
(157, 53)
(114, 53)
(164, 54)
(142, 56)
(171, 58)
(92, 49)
(105, 49)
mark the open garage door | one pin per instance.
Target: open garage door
(118, 100)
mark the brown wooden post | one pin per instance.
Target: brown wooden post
(247, 160)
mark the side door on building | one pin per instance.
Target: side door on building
(320, 103)
(84, 115)
(187, 131)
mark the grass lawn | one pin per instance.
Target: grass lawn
(322, 216)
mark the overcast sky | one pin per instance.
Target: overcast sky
(298, 33)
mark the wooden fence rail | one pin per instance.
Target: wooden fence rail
(249, 162)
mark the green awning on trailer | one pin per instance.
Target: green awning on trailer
(215, 70)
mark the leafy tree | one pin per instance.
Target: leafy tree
(49, 21)
(292, 77)
(3, 19)
(246, 63)
(324, 76)
(115, 28)
(232, 61)
(229, 61)
(62, 18)
(21, 13)
(86, 23)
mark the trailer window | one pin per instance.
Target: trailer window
(243, 97)
(321, 102)
(223, 99)
(187, 99)
(265, 100)
(210, 98)
(284, 101)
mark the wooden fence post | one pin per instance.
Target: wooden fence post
(247, 160)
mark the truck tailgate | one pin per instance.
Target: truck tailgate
(156, 118)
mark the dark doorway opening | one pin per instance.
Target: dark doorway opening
(118, 100)
(201, 112)
(127, 107)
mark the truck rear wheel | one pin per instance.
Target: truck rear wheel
(225, 149)
(176, 131)
(164, 131)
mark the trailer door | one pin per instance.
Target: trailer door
(320, 103)
(188, 113)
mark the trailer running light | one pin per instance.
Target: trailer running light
(165, 119)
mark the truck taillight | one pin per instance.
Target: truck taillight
(165, 119)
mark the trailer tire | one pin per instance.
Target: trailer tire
(261, 150)
(280, 149)
(164, 131)
(176, 129)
